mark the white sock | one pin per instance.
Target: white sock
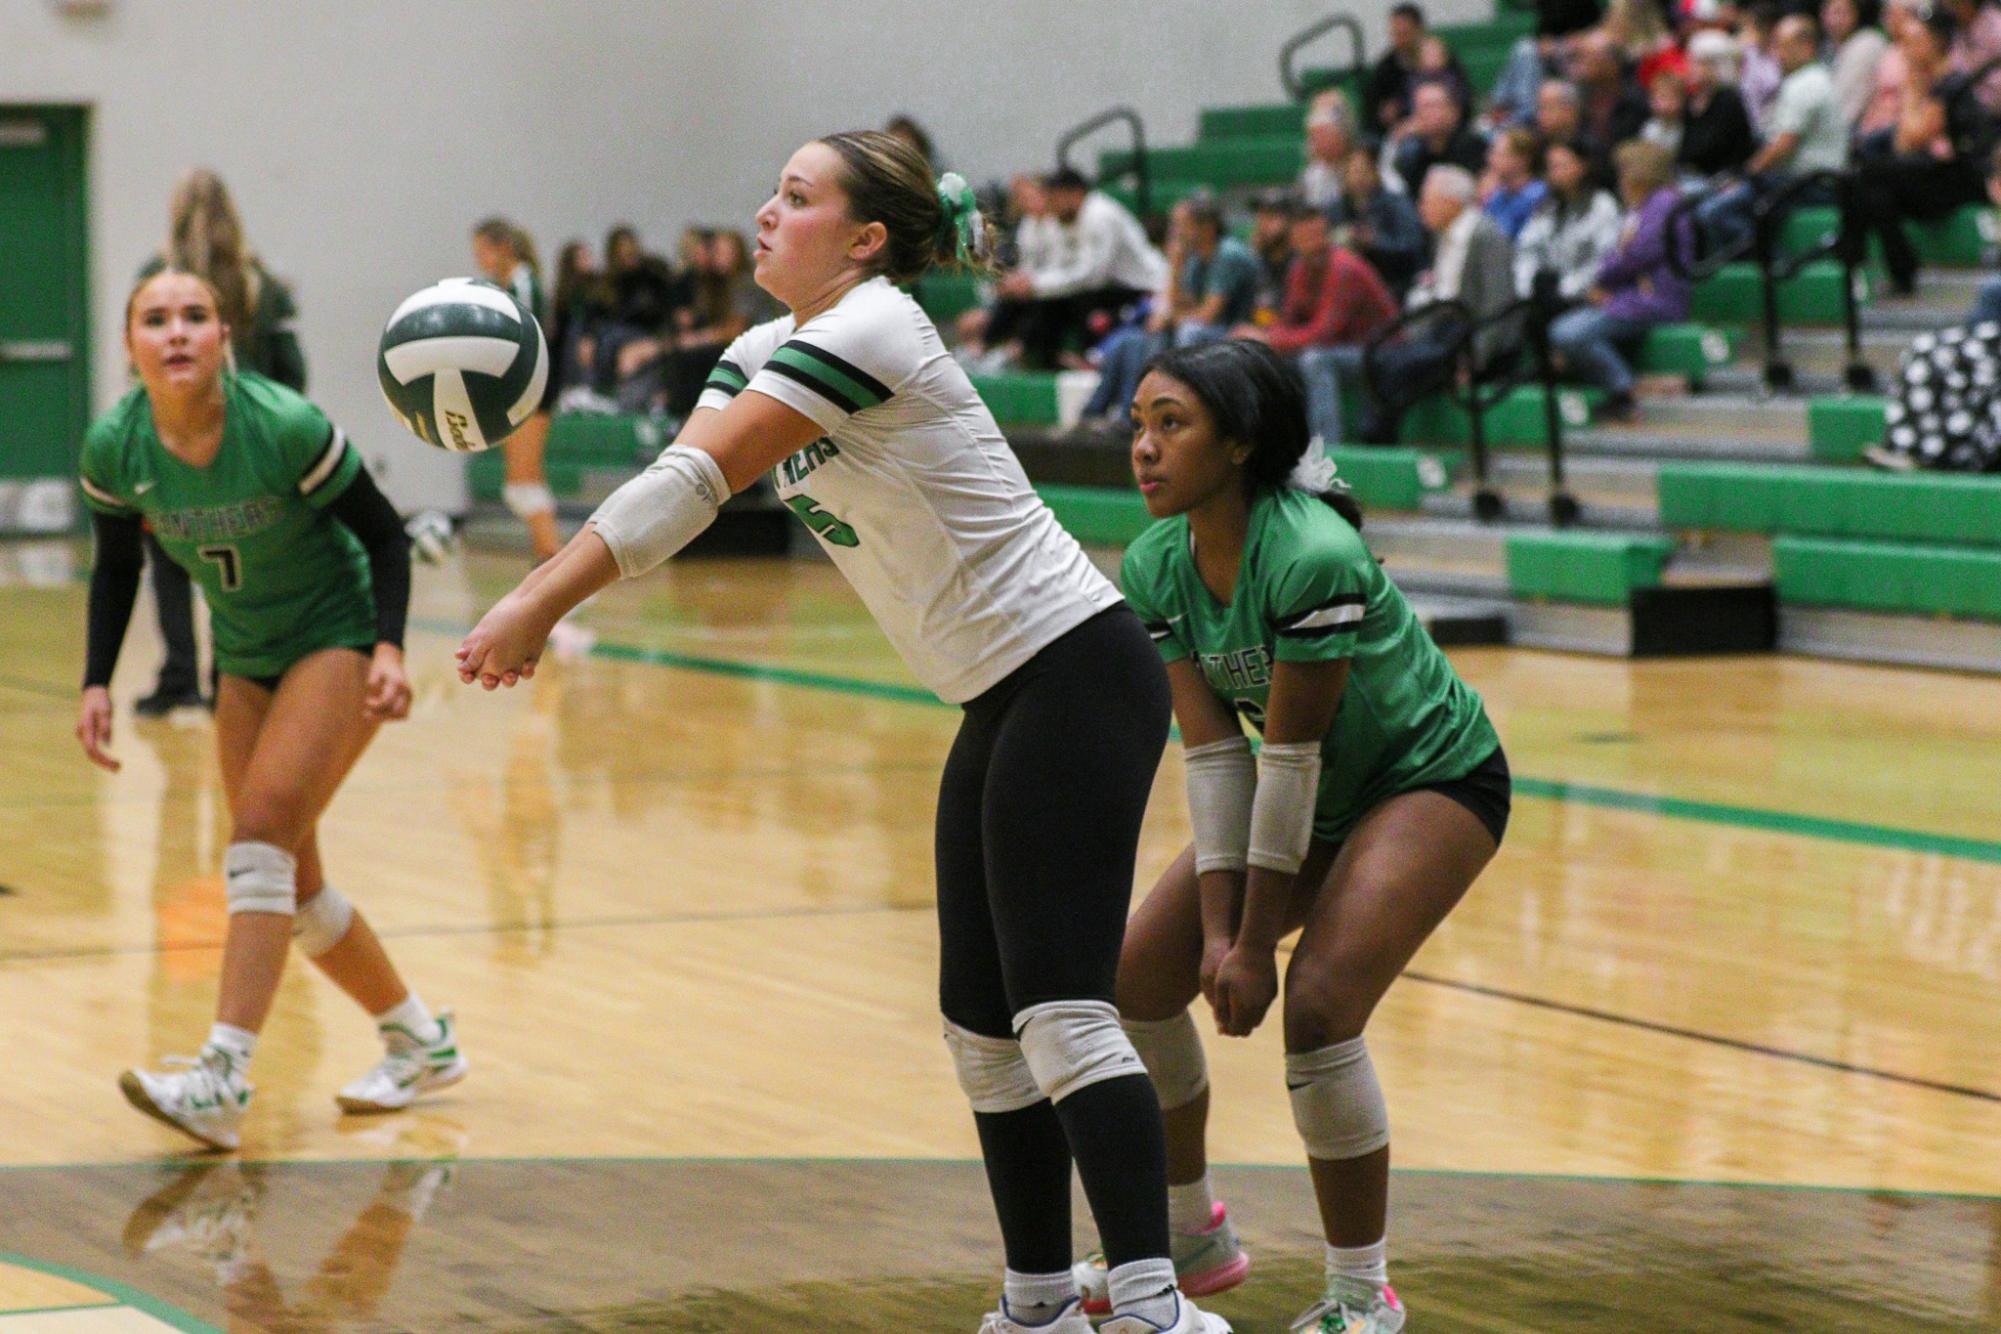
(1191, 1208)
(1037, 1299)
(239, 1044)
(1364, 1262)
(412, 1016)
(1145, 1288)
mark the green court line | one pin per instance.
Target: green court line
(1673, 808)
(862, 1160)
(132, 1297)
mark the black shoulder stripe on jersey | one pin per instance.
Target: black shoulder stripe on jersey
(818, 386)
(728, 377)
(1339, 611)
(1159, 629)
(880, 391)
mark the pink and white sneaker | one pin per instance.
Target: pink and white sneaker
(1205, 1262)
(1352, 1306)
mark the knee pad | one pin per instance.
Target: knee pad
(260, 877)
(1337, 1102)
(991, 1071)
(1071, 1045)
(528, 498)
(321, 922)
(1171, 1051)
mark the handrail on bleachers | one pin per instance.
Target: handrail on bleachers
(1142, 193)
(1288, 77)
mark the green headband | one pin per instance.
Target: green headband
(961, 221)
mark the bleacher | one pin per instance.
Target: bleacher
(1724, 519)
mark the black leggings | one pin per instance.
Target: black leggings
(1038, 824)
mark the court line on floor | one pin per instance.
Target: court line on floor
(119, 1292)
(1675, 808)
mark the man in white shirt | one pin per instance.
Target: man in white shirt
(1099, 264)
(1806, 132)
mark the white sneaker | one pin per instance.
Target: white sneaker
(1188, 1319)
(408, 1070)
(205, 1100)
(1205, 1262)
(1352, 1306)
(1070, 1320)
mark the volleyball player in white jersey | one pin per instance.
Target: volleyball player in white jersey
(881, 446)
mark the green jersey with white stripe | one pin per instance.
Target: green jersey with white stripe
(282, 577)
(526, 285)
(1309, 591)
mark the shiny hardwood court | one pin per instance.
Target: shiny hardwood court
(1743, 945)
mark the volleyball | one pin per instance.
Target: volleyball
(462, 364)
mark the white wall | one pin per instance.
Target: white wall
(363, 137)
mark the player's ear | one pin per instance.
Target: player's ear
(869, 243)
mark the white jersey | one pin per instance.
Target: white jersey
(913, 491)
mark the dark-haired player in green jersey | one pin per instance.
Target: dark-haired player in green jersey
(1380, 793)
(307, 574)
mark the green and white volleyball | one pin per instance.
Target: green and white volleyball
(462, 364)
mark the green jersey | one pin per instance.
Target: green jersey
(282, 578)
(1309, 591)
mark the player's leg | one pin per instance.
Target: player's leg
(527, 487)
(1072, 769)
(1026, 1153)
(179, 682)
(1402, 870)
(421, 1050)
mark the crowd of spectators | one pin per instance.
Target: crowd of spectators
(1561, 183)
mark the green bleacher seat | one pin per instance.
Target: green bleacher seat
(1889, 577)
(1736, 295)
(1832, 502)
(1250, 122)
(1020, 398)
(1097, 515)
(1572, 566)
(1392, 478)
(1518, 420)
(1840, 428)
(1689, 350)
(946, 296)
(1959, 240)
(1265, 160)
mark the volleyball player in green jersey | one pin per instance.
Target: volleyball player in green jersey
(1380, 793)
(307, 574)
(505, 254)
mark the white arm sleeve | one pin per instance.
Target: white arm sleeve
(1221, 777)
(660, 511)
(1282, 810)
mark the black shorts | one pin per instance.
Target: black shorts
(1487, 791)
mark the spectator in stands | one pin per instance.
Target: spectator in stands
(726, 301)
(1437, 63)
(1435, 134)
(1933, 160)
(1644, 42)
(1613, 107)
(1473, 265)
(1388, 92)
(1857, 46)
(1977, 42)
(1513, 184)
(1380, 225)
(1759, 74)
(1271, 224)
(1716, 133)
(1667, 97)
(1808, 133)
(1030, 240)
(1559, 119)
(1886, 97)
(1212, 285)
(1330, 137)
(1536, 58)
(578, 305)
(642, 310)
(1572, 231)
(1988, 305)
(1334, 304)
(1102, 266)
(1637, 287)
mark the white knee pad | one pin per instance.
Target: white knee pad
(991, 1071)
(1171, 1051)
(322, 922)
(260, 877)
(528, 499)
(1336, 1102)
(1071, 1045)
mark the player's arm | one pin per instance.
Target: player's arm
(1299, 710)
(1221, 776)
(114, 587)
(371, 518)
(718, 453)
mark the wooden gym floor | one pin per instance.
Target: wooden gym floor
(1711, 1046)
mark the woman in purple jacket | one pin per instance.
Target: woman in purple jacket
(1636, 287)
